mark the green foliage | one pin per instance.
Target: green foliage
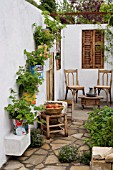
(67, 153)
(21, 110)
(108, 46)
(29, 81)
(106, 7)
(57, 56)
(63, 7)
(36, 57)
(32, 2)
(47, 36)
(88, 6)
(43, 36)
(37, 139)
(100, 127)
(108, 18)
(85, 158)
(47, 5)
(54, 25)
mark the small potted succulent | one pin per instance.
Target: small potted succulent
(21, 113)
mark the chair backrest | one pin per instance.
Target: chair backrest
(104, 77)
(71, 77)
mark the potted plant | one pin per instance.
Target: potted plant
(43, 36)
(21, 113)
(51, 33)
(28, 82)
(36, 57)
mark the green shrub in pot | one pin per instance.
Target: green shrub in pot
(37, 57)
(21, 110)
(29, 82)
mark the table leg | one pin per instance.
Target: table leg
(47, 125)
(72, 109)
(65, 125)
(82, 106)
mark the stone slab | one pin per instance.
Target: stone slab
(99, 153)
(80, 168)
(109, 158)
(100, 165)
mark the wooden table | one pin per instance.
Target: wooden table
(53, 123)
(90, 101)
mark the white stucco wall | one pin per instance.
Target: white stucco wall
(59, 76)
(16, 34)
(72, 57)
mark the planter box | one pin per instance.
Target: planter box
(16, 145)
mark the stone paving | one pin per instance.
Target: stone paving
(46, 157)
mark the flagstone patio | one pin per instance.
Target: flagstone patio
(46, 157)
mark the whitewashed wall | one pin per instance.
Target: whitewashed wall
(59, 76)
(16, 34)
(72, 59)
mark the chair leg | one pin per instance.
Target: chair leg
(66, 94)
(76, 95)
(106, 91)
(99, 91)
(83, 91)
(110, 96)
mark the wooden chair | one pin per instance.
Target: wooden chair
(71, 81)
(104, 82)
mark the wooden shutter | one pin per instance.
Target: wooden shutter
(92, 49)
(98, 49)
(87, 49)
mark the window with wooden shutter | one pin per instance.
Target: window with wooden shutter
(92, 49)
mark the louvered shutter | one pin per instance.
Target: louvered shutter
(87, 49)
(98, 49)
(92, 49)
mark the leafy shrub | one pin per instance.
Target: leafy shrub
(67, 153)
(85, 158)
(100, 127)
(37, 139)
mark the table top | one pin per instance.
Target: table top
(85, 97)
